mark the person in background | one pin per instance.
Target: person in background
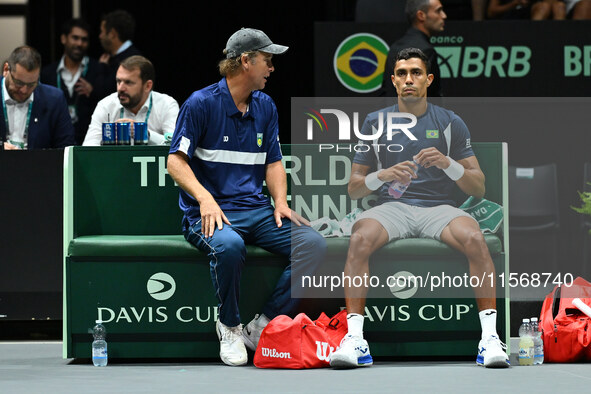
(478, 10)
(578, 9)
(117, 31)
(426, 18)
(539, 9)
(509, 9)
(34, 115)
(77, 75)
(135, 101)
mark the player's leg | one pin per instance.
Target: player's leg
(303, 249)
(582, 10)
(373, 229)
(541, 11)
(227, 252)
(558, 11)
(463, 233)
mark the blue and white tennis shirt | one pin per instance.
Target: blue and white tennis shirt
(227, 151)
(437, 127)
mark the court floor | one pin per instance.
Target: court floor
(38, 367)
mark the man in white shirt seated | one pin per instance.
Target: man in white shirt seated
(135, 101)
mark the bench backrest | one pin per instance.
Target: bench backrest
(127, 190)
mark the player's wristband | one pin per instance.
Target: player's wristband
(455, 170)
(372, 181)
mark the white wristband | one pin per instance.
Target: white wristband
(455, 170)
(372, 181)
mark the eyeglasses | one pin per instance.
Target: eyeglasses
(20, 84)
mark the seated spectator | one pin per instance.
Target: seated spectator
(478, 9)
(135, 101)
(548, 9)
(539, 9)
(509, 9)
(578, 9)
(77, 75)
(34, 116)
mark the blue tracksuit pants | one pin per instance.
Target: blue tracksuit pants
(226, 249)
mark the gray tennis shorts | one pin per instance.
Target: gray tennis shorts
(405, 221)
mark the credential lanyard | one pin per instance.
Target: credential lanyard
(147, 114)
(6, 113)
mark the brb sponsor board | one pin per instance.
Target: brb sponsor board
(492, 59)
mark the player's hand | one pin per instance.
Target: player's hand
(83, 87)
(402, 172)
(283, 211)
(432, 157)
(211, 215)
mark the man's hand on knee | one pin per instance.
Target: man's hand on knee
(211, 214)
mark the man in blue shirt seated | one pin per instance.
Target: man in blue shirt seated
(436, 154)
(226, 143)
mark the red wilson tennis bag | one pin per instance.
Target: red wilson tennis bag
(566, 330)
(301, 342)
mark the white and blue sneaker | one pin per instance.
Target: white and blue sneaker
(352, 352)
(491, 353)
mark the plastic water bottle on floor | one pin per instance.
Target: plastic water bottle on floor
(526, 344)
(398, 188)
(99, 345)
(538, 342)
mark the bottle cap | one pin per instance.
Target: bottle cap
(534, 319)
(99, 322)
(525, 320)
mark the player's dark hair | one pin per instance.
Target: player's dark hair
(408, 53)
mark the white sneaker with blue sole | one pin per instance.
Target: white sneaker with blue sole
(491, 353)
(352, 352)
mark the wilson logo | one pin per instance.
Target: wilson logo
(273, 353)
(323, 351)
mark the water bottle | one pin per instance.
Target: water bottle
(526, 344)
(398, 188)
(99, 345)
(538, 342)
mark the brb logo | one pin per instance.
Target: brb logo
(475, 61)
(392, 125)
(161, 286)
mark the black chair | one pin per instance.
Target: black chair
(377, 11)
(533, 213)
